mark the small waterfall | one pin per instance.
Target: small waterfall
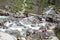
(43, 22)
(48, 10)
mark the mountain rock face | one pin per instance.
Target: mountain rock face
(5, 36)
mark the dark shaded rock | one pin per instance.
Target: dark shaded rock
(49, 19)
(6, 14)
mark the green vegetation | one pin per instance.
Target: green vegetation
(57, 6)
(34, 6)
(16, 5)
(57, 34)
(57, 9)
(42, 5)
(57, 31)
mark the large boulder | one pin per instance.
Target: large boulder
(5, 36)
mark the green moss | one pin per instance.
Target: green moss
(57, 34)
(57, 9)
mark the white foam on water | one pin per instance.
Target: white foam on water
(7, 24)
(4, 16)
(29, 26)
(3, 30)
(43, 22)
(20, 29)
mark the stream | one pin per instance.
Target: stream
(26, 24)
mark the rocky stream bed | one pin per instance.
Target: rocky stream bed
(37, 27)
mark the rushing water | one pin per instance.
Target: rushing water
(43, 22)
(27, 21)
(48, 10)
(4, 16)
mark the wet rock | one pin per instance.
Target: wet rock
(49, 19)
